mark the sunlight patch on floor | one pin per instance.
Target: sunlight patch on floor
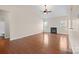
(63, 43)
(46, 39)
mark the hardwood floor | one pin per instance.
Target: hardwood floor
(42, 43)
(3, 45)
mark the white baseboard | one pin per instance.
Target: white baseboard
(18, 37)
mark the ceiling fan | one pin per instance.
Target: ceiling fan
(46, 11)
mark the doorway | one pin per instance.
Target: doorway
(4, 24)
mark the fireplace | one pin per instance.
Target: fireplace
(53, 30)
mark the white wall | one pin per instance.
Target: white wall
(23, 21)
(59, 22)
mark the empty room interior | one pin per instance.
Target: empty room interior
(39, 29)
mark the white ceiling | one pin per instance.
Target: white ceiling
(57, 11)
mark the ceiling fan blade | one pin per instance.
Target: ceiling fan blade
(49, 11)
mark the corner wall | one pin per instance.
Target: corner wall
(23, 21)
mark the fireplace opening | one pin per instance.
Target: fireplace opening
(53, 30)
